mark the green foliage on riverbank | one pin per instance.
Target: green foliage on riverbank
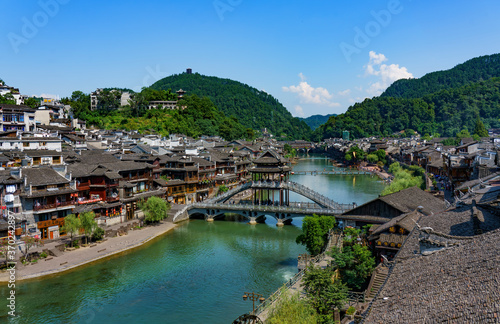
(355, 263)
(155, 209)
(291, 309)
(355, 154)
(315, 232)
(88, 224)
(324, 292)
(405, 178)
(72, 225)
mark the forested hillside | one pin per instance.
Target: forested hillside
(315, 121)
(445, 112)
(475, 70)
(253, 108)
(199, 116)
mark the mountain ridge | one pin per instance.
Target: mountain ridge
(474, 70)
(253, 108)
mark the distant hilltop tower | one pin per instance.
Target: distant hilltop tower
(189, 71)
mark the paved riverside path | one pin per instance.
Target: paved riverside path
(84, 255)
(323, 261)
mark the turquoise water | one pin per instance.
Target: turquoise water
(196, 273)
(344, 189)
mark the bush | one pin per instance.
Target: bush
(351, 310)
(292, 309)
(155, 209)
(75, 244)
(98, 234)
(372, 158)
(43, 255)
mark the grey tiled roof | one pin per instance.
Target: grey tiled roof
(458, 284)
(43, 176)
(125, 166)
(410, 199)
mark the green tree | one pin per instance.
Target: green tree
(98, 233)
(479, 128)
(464, 133)
(72, 225)
(250, 134)
(372, 158)
(355, 264)
(88, 223)
(222, 189)
(351, 235)
(31, 102)
(381, 155)
(324, 292)
(155, 209)
(414, 176)
(7, 99)
(314, 232)
(355, 154)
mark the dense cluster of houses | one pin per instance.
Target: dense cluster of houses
(438, 259)
(55, 171)
(470, 160)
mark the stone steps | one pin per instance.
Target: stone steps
(377, 280)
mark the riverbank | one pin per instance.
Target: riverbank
(69, 260)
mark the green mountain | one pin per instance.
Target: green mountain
(445, 112)
(474, 70)
(315, 121)
(253, 108)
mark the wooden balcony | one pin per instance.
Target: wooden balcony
(52, 206)
(112, 199)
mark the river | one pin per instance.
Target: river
(196, 273)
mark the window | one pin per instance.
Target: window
(26, 144)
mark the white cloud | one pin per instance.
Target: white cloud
(47, 95)
(311, 95)
(299, 111)
(345, 92)
(387, 74)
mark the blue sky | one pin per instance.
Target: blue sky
(316, 57)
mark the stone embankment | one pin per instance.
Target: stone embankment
(120, 238)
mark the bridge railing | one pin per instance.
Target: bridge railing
(277, 294)
(301, 189)
(313, 195)
(268, 209)
(230, 193)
